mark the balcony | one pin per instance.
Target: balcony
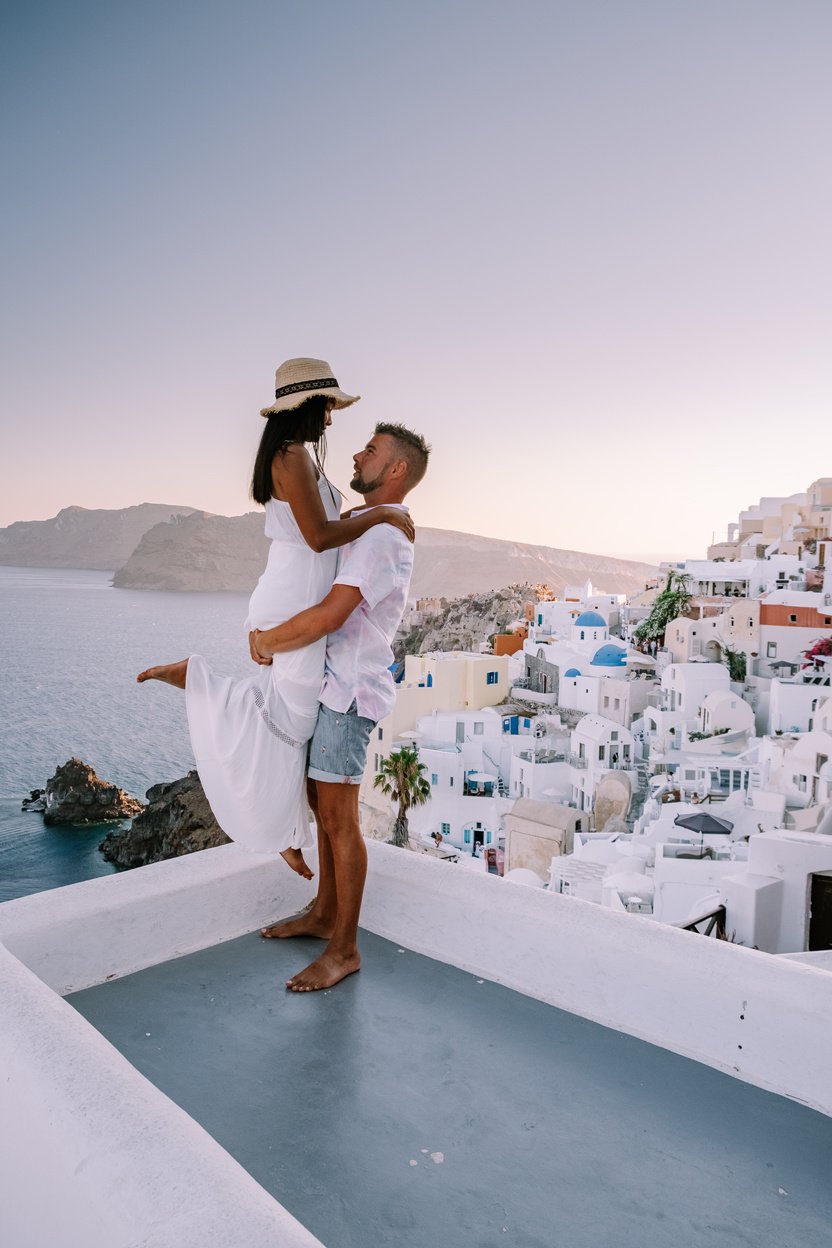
(542, 756)
(187, 1100)
(577, 760)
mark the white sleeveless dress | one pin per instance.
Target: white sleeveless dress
(249, 736)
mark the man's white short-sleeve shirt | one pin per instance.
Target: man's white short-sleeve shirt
(358, 656)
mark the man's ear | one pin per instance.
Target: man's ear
(399, 469)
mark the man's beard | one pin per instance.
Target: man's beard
(365, 487)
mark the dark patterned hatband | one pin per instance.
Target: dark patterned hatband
(322, 383)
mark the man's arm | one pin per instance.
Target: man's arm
(310, 625)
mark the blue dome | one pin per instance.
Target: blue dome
(610, 656)
(573, 671)
(591, 619)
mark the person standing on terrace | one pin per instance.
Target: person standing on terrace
(359, 618)
(250, 736)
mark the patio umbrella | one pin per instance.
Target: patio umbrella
(703, 823)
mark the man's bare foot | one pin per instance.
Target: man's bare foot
(307, 924)
(297, 862)
(327, 970)
(170, 673)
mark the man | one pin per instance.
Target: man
(359, 618)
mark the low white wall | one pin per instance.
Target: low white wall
(760, 1018)
(125, 1166)
(78, 936)
(90, 1151)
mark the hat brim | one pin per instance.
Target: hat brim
(290, 402)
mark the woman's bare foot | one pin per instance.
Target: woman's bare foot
(307, 924)
(295, 859)
(326, 971)
(170, 673)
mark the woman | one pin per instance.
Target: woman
(249, 736)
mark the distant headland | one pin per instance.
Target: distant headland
(170, 547)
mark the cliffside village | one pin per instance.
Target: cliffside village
(672, 763)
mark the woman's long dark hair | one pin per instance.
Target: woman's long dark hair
(306, 423)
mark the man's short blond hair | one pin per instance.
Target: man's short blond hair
(411, 446)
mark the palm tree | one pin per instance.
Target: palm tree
(669, 603)
(401, 779)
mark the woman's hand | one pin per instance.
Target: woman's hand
(399, 519)
(255, 653)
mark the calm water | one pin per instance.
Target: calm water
(70, 648)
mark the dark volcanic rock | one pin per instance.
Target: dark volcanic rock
(76, 795)
(177, 820)
(36, 801)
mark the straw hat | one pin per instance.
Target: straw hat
(296, 380)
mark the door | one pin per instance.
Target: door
(820, 917)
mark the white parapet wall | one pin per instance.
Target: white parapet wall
(125, 1166)
(90, 1151)
(763, 1019)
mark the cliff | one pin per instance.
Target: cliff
(466, 622)
(199, 552)
(203, 552)
(78, 538)
(177, 820)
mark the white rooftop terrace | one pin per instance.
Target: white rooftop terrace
(512, 1032)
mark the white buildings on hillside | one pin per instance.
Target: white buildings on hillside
(794, 525)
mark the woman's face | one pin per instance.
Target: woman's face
(328, 418)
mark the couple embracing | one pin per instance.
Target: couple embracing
(320, 622)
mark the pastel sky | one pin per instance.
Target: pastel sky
(582, 245)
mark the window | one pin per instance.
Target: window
(526, 723)
(491, 678)
(792, 619)
(583, 634)
(799, 783)
(614, 735)
(617, 703)
(380, 733)
(606, 700)
(451, 782)
(771, 650)
(479, 729)
(434, 779)
(466, 836)
(600, 753)
(445, 828)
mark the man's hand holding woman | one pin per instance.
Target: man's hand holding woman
(260, 659)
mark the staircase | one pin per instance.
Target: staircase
(642, 789)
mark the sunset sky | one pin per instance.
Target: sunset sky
(583, 246)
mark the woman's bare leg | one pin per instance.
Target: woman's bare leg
(170, 673)
(297, 862)
(319, 919)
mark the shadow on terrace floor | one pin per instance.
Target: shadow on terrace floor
(527, 1126)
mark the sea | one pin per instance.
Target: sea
(70, 648)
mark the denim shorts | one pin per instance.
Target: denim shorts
(338, 749)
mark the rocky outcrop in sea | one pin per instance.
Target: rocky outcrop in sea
(76, 795)
(177, 820)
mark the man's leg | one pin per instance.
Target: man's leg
(338, 823)
(319, 920)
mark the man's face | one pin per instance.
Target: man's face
(372, 464)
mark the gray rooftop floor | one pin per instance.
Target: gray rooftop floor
(554, 1131)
